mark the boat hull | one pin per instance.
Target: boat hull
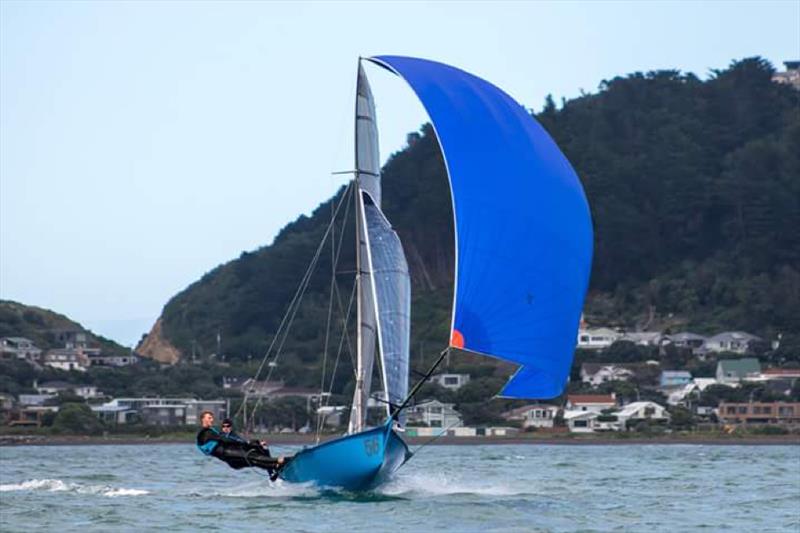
(354, 462)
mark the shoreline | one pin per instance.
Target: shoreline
(291, 440)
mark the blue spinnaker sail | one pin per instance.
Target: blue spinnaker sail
(522, 223)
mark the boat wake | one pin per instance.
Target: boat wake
(428, 484)
(57, 485)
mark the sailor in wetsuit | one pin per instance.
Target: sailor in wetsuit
(234, 450)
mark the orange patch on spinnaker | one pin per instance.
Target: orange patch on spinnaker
(456, 339)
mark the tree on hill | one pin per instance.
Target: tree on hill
(691, 184)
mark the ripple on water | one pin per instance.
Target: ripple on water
(455, 488)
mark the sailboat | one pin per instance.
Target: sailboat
(523, 237)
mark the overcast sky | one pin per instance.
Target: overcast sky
(144, 143)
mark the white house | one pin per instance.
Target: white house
(616, 420)
(451, 381)
(56, 387)
(597, 338)
(99, 359)
(697, 385)
(435, 414)
(52, 387)
(533, 415)
(731, 341)
(19, 348)
(67, 359)
(644, 338)
(598, 373)
(591, 402)
(590, 421)
(687, 339)
(642, 411)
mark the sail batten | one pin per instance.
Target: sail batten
(522, 226)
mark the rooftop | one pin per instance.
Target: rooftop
(740, 367)
(687, 336)
(676, 374)
(525, 408)
(734, 336)
(592, 398)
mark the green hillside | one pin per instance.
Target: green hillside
(42, 325)
(694, 187)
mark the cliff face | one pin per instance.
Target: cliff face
(156, 347)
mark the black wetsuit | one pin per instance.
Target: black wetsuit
(235, 451)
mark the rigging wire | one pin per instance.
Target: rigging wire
(345, 320)
(291, 311)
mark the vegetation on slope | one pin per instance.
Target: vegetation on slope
(695, 194)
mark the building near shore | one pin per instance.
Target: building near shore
(535, 415)
(159, 411)
(785, 413)
(435, 414)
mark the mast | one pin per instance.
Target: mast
(366, 182)
(358, 414)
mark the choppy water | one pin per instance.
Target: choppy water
(454, 488)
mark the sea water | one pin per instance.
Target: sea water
(443, 488)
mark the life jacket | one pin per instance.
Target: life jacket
(208, 447)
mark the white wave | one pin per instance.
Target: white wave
(52, 485)
(441, 485)
(113, 493)
(57, 485)
(260, 489)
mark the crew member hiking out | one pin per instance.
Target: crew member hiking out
(233, 449)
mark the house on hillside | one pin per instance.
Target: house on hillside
(534, 415)
(71, 338)
(597, 338)
(435, 414)
(733, 371)
(100, 359)
(451, 381)
(19, 348)
(688, 340)
(674, 378)
(696, 385)
(644, 338)
(732, 341)
(52, 387)
(66, 359)
(598, 373)
(34, 399)
(790, 76)
(59, 387)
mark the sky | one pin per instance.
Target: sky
(142, 144)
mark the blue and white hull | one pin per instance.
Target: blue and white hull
(354, 462)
